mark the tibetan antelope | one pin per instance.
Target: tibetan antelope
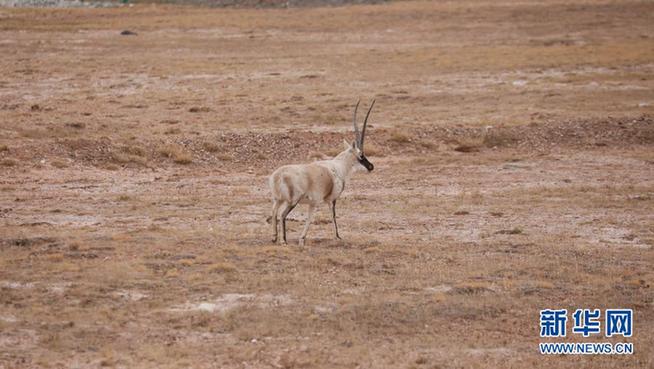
(318, 182)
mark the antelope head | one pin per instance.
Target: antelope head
(357, 144)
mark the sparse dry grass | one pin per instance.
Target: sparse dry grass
(469, 144)
(472, 287)
(373, 150)
(490, 138)
(224, 157)
(512, 231)
(134, 150)
(211, 147)
(172, 131)
(8, 162)
(332, 152)
(495, 138)
(222, 268)
(399, 137)
(176, 152)
(59, 164)
(124, 158)
(34, 133)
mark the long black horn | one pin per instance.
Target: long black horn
(365, 122)
(354, 121)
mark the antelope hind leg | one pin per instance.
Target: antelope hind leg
(288, 209)
(303, 236)
(275, 214)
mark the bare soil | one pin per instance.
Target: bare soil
(514, 171)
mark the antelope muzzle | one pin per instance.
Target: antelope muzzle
(364, 161)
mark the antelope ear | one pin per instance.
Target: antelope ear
(346, 145)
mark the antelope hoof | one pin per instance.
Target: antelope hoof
(274, 240)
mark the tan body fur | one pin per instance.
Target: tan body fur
(316, 183)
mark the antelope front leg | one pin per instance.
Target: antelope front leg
(307, 224)
(334, 220)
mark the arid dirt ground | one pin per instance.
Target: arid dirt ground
(513, 143)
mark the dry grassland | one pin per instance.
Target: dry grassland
(514, 171)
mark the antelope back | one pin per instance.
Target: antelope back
(293, 183)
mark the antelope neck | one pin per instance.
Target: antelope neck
(344, 165)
